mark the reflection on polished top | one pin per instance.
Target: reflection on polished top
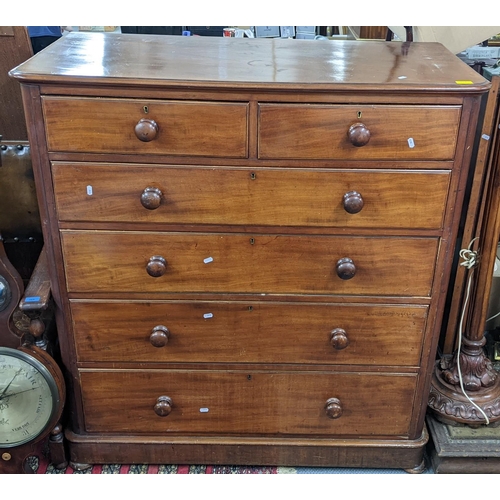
(250, 63)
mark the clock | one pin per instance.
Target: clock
(32, 394)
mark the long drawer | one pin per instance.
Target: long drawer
(142, 261)
(250, 402)
(243, 196)
(213, 129)
(248, 332)
(392, 132)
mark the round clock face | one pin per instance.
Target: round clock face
(28, 395)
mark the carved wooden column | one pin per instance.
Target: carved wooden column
(479, 380)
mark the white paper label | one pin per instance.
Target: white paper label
(486, 137)
(208, 315)
(208, 260)
(411, 143)
(203, 410)
(89, 190)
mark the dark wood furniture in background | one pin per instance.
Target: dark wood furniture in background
(15, 48)
(11, 291)
(473, 217)
(26, 315)
(250, 242)
(20, 231)
(474, 373)
(20, 228)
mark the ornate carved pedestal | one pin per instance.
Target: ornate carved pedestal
(481, 384)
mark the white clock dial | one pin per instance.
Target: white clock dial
(26, 398)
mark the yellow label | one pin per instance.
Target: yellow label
(464, 82)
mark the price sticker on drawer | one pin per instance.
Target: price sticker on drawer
(208, 315)
(411, 142)
(203, 410)
(208, 260)
(90, 191)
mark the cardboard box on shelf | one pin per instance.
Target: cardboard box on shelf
(305, 36)
(306, 29)
(479, 52)
(287, 31)
(97, 28)
(267, 31)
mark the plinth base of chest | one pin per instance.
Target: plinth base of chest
(256, 451)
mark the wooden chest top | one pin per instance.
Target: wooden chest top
(207, 62)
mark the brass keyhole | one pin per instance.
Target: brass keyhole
(359, 114)
(253, 176)
(146, 109)
(252, 241)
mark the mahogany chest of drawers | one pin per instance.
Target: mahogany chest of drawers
(250, 240)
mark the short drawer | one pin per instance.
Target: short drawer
(241, 196)
(248, 332)
(212, 129)
(330, 132)
(114, 261)
(250, 402)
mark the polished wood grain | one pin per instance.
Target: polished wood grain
(247, 402)
(203, 262)
(220, 63)
(374, 452)
(395, 132)
(247, 332)
(183, 128)
(234, 241)
(244, 196)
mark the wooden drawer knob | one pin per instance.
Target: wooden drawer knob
(146, 130)
(346, 268)
(163, 406)
(353, 202)
(333, 408)
(157, 266)
(338, 339)
(159, 336)
(358, 135)
(151, 198)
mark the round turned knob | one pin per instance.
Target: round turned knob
(339, 339)
(353, 202)
(333, 408)
(163, 406)
(151, 198)
(159, 336)
(157, 266)
(346, 268)
(37, 327)
(358, 134)
(146, 130)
